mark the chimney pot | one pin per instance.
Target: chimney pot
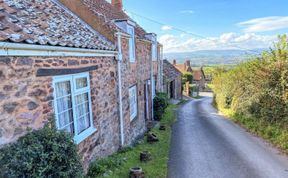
(188, 63)
(117, 4)
(174, 62)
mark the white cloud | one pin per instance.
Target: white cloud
(265, 24)
(166, 27)
(250, 41)
(187, 12)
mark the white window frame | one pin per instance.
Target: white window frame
(78, 138)
(132, 47)
(131, 90)
(154, 86)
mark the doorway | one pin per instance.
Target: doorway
(172, 89)
(146, 99)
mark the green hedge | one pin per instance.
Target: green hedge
(257, 90)
(42, 153)
(160, 104)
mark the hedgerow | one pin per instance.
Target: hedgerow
(257, 89)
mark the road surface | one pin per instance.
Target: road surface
(206, 145)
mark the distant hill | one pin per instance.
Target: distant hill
(212, 57)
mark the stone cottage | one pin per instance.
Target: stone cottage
(140, 57)
(96, 75)
(199, 79)
(184, 68)
(172, 80)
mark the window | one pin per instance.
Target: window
(154, 51)
(130, 31)
(133, 102)
(154, 86)
(73, 105)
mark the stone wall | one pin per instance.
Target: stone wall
(135, 74)
(178, 87)
(26, 101)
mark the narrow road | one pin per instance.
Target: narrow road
(206, 145)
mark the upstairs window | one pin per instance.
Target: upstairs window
(133, 102)
(73, 105)
(130, 30)
(154, 51)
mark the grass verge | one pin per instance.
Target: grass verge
(118, 165)
(274, 133)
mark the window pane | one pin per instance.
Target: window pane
(65, 119)
(81, 82)
(64, 104)
(82, 98)
(82, 109)
(83, 123)
(63, 88)
(69, 128)
(133, 102)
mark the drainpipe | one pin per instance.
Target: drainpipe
(152, 83)
(161, 70)
(120, 89)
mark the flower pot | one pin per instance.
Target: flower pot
(145, 156)
(136, 172)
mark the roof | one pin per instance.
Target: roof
(170, 72)
(198, 75)
(183, 68)
(45, 22)
(105, 9)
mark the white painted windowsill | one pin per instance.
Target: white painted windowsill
(79, 138)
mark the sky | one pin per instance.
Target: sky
(191, 25)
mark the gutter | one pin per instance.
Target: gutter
(22, 49)
(119, 60)
(161, 69)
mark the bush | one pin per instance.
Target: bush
(187, 77)
(42, 153)
(257, 88)
(104, 166)
(257, 91)
(193, 88)
(160, 104)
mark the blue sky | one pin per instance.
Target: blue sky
(224, 23)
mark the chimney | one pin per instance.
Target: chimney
(174, 62)
(117, 4)
(188, 63)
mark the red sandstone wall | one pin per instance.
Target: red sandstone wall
(135, 74)
(26, 101)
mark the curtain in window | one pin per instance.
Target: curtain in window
(81, 83)
(82, 112)
(133, 102)
(64, 106)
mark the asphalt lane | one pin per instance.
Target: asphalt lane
(206, 145)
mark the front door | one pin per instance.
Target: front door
(172, 91)
(146, 98)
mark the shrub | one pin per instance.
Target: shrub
(187, 77)
(160, 104)
(104, 166)
(42, 153)
(256, 93)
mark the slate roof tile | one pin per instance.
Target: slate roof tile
(45, 22)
